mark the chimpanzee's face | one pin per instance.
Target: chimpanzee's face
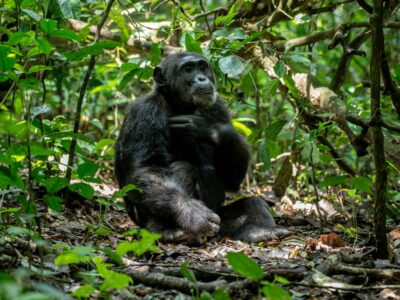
(189, 77)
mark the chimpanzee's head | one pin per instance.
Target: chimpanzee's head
(186, 79)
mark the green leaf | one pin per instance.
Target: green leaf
(220, 294)
(84, 291)
(124, 191)
(18, 231)
(120, 20)
(290, 84)
(50, 27)
(244, 265)
(363, 184)
(75, 255)
(94, 49)
(242, 128)
(44, 46)
(55, 184)
(231, 34)
(87, 169)
(192, 45)
(39, 68)
(275, 292)
(70, 8)
(279, 68)
(270, 87)
(298, 63)
(145, 244)
(273, 129)
(83, 189)
(37, 150)
(32, 14)
(54, 202)
(187, 273)
(231, 65)
(227, 19)
(6, 63)
(333, 180)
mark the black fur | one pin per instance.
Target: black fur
(178, 145)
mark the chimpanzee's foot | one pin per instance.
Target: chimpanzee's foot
(255, 234)
(249, 220)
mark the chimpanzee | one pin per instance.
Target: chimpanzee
(177, 144)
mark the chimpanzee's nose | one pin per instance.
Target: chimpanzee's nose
(201, 78)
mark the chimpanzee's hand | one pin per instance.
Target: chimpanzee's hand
(193, 126)
(197, 219)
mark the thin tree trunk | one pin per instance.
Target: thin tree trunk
(376, 20)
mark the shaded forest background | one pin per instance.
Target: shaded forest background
(313, 85)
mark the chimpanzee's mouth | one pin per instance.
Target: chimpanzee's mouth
(204, 99)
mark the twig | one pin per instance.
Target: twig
(207, 13)
(365, 6)
(390, 85)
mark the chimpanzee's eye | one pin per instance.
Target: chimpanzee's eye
(188, 68)
(203, 66)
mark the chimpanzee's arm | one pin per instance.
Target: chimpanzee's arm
(232, 152)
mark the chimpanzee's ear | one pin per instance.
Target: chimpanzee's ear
(159, 76)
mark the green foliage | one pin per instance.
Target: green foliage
(244, 266)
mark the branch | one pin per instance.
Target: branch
(390, 85)
(319, 36)
(365, 5)
(340, 74)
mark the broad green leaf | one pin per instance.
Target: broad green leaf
(279, 68)
(333, 180)
(75, 255)
(6, 63)
(55, 184)
(192, 45)
(44, 46)
(275, 292)
(87, 169)
(84, 291)
(32, 14)
(70, 8)
(50, 27)
(270, 87)
(273, 129)
(220, 294)
(37, 150)
(94, 49)
(298, 63)
(231, 65)
(187, 273)
(83, 189)
(244, 265)
(127, 67)
(54, 202)
(363, 184)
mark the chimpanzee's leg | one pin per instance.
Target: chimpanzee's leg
(249, 220)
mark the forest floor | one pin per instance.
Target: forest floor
(333, 262)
